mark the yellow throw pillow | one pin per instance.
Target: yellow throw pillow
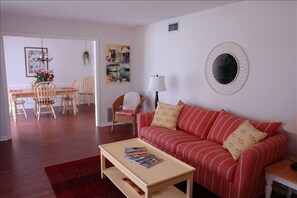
(166, 115)
(243, 137)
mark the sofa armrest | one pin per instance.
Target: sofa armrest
(249, 176)
(144, 119)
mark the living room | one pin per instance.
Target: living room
(266, 31)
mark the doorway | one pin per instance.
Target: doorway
(67, 63)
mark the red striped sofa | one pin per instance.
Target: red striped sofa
(198, 141)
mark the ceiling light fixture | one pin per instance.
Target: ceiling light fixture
(43, 55)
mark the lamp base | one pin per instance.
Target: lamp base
(294, 166)
(156, 100)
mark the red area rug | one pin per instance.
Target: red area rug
(81, 179)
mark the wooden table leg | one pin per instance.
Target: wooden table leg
(74, 104)
(190, 187)
(268, 187)
(289, 192)
(103, 165)
(148, 194)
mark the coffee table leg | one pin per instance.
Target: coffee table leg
(103, 166)
(189, 187)
(148, 194)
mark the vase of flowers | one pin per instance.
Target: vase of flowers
(44, 75)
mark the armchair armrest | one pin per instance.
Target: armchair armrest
(249, 180)
(144, 119)
(117, 103)
(139, 106)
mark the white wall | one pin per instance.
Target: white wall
(266, 30)
(103, 34)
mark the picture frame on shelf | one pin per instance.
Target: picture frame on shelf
(32, 65)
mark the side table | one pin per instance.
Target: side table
(281, 172)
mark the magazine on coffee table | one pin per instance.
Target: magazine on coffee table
(141, 156)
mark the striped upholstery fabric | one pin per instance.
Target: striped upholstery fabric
(242, 179)
(268, 127)
(213, 182)
(196, 120)
(144, 119)
(225, 124)
(249, 180)
(168, 139)
(208, 155)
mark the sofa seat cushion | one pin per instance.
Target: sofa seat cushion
(166, 139)
(196, 120)
(210, 156)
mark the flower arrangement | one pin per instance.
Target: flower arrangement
(44, 75)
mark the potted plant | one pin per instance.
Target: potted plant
(86, 57)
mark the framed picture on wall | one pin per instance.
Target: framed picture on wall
(31, 62)
(117, 63)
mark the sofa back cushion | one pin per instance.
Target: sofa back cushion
(226, 123)
(196, 120)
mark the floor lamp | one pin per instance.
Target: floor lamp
(291, 127)
(156, 84)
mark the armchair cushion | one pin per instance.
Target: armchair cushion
(166, 115)
(125, 112)
(131, 100)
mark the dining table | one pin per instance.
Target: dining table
(14, 94)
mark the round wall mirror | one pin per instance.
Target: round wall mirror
(226, 68)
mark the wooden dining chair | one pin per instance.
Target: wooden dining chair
(67, 100)
(21, 110)
(126, 107)
(45, 95)
(86, 93)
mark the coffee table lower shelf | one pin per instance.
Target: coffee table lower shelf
(117, 176)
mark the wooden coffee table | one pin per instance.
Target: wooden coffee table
(156, 181)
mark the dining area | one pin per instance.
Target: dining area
(45, 94)
(58, 64)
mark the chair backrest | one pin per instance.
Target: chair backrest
(131, 100)
(87, 85)
(45, 92)
(75, 84)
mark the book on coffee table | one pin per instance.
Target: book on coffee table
(141, 156)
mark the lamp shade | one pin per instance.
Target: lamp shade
(291, 126)
(157, 83)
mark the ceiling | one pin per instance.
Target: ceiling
(125, 13)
